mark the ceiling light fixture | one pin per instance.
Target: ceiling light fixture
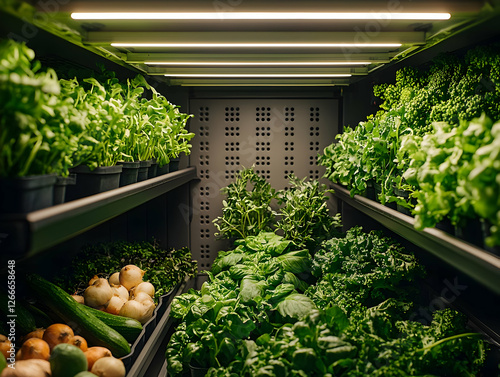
(305, 63)
(258, 75)
(260, 16)
(264, 45)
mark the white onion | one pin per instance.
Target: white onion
(91, 281)
(108, 367)
(145, 287)
(131, 276)
(142, 297)
(120, 291)
(98, 294)
(133, 309)
(79, 299)
(148, 312)
(115, 279)
(115, 304)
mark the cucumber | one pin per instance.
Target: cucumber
(25, 322)
(42, 320)
(128, 327)
(63, 305)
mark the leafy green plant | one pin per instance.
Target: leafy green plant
(305, 218)
(164, 269)
(246, 211)
(39, 127)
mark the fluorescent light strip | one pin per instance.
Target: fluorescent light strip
(260, 16)
(257, 75)
(255, 63)
(211, 45)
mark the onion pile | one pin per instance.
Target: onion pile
(125, 294)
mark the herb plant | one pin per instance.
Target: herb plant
(305, 218)
(246, 211)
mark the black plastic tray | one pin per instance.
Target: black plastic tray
(148, 327)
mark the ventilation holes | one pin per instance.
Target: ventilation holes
(204, 131)
(314, 146)
(230, 174)
(314, 114)
(232, 146)
(289, 160)
(204, 191)
(264, 173)
(232, 131)
(204, 146)
(289, 146)
(262, 160)
(204, 174)
(204, 220)
(289, 114)
(262, 131)
(204, 233)
(289, 131)
(203, 114)
(262, 146)
(232, 114)
(314, 174)
(287, 175)
(205, 266)
(205, 251)
(232, 160)
(204, 206)
(263, 114)
(204, 160)
(314, 131)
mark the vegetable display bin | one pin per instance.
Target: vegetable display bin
(130, 171)
(26, 194)
(161, 170)
(198, 371)
(60, 188)
(91, 182)
(144, 170)
(152, 169)
(406, 196)
(174, 164)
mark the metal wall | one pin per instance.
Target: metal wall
(277, 136)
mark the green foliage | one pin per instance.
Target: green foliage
(39, 127)
(247, 208)
(362, 269)
(305, 218)
(164, 269)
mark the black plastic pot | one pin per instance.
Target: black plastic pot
(152, 169)
(60, 188)
(26, 194)
(378, 190)
(370, 190)
(446, 226)
(471, 232)
(91, 182)
(406, 196)
(130, 171)
(485, 230)
(143, 170)
(174, 164)
(161, 170)
(198, 371)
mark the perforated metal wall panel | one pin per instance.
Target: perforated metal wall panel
(278, 136)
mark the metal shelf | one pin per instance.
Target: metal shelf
(24, 235)
(477, 263)
(151, 361)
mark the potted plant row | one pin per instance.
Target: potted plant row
(100, 133)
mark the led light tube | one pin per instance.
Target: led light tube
(257, 75)
(260, 16)
(232, 45)
(255, 63)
